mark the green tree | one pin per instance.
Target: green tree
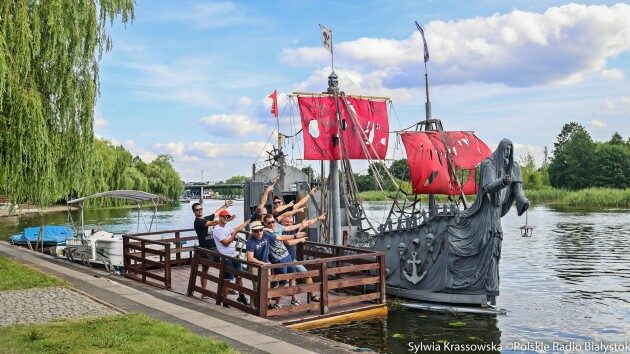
(139, 164)
(613, 166)
(532, 178)
(573, 165)
(616, 139)
(364, 182)
(381, 169)
(400, 170)
(49, 53)
(236, 179)
(566, 133)
(163, 179)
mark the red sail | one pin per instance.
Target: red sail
(426, 156)
(318, 127)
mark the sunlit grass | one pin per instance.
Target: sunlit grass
(130, 333)
(14, 275)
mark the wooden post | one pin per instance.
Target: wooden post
(177, 245)
(194, 267)
(381, 273)
(144, 263)
(167, 266)
(323, 305)
(300, 252)
(126, 262)
(220, 285)
(263, 287)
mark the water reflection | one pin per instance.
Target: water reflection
(403, 326)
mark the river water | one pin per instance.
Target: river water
(565, 288)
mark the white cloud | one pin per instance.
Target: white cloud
(613, 74)
(625, 99)
(232, 125)
(597, 124)
(608, 104)
(356, 83)
(174, 149)
(560, 45)
(248, 150)
(144, 154)
(242, 104)
(100, 122)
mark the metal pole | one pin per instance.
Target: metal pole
(82, 227)
(334, 167)
(281, 173)
(335, 202)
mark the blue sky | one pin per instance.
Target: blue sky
(190, 79)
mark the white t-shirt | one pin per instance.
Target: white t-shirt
(221, 233)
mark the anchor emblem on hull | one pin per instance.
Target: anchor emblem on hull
(414, 278)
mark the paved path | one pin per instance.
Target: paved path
(246, 333)
(45, 304)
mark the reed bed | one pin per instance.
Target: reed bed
(598, 197)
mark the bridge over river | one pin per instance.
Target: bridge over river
(217, 190)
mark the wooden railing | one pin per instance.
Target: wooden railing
(357, 273)
(144, 253)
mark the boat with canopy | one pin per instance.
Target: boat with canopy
(100, 246)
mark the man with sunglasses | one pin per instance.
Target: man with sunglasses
(201, 224)
(259, 247)
(225, 239)
(278, 252)
(281, 210)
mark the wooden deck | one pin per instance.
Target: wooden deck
(350, 282)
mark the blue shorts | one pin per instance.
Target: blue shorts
(282, 270)
(230, 263)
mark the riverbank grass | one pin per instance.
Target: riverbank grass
(14, 275)
(589, 197)
(129, 333)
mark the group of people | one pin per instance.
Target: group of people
(273, 238)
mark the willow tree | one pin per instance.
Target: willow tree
(49, 53)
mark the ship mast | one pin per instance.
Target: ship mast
(429, 124)
(335, 203)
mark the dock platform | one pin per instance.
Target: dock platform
(349, 282)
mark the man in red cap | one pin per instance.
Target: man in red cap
(225, 238)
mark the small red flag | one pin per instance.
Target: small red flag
(274, 104)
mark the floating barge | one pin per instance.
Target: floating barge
(350, 282)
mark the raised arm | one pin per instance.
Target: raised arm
(226, 204)
(289, 213)
(306, 223)
(265, 196)
(303, 201)
(234, 233)
(282, 208)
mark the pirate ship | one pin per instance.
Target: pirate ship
(439, 248)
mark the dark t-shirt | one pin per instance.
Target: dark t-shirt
(201, 229)
(261, 247)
